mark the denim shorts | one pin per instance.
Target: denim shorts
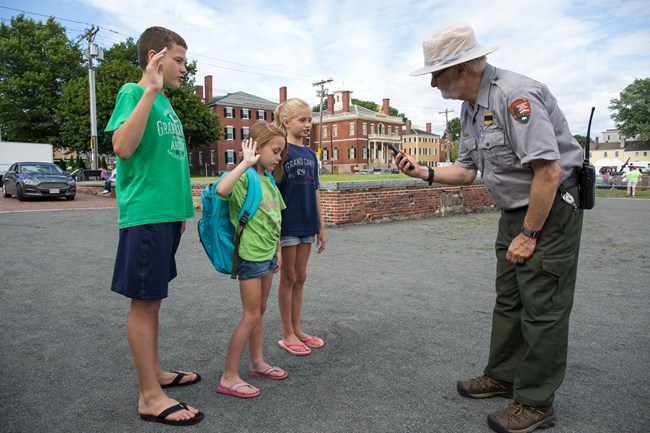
(290, 241)
(250, 270)
(145, 263)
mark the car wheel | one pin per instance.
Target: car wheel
(69, 197)
(4, 191)
(19, 192)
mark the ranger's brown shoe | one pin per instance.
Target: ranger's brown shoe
(519, 418)
(484, 387)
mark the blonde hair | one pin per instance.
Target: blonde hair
(263, 133)
(287, 110)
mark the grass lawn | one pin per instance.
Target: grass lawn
(621, 193)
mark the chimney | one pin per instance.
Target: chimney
(330, 104)
(346, 101)
(596, 144)
(429, 128)
(283, 94)
(386, 107)
(208, 88)
(199, 92)
(408, 127)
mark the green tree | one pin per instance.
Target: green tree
(36, 59)
(120, 65)
(631, 111)
(454, 128)
(201, 126)
(582, 139)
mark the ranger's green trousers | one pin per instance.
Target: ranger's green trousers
(530, 324)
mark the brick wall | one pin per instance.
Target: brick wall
(363, 201)
(401, 200)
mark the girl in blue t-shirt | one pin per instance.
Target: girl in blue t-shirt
(260, 256)
(302, 223)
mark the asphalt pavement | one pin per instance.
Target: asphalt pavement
(404, 309)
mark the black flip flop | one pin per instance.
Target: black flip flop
(161, 416)
(179, 377)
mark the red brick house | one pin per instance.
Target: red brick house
(237, 112)
(354, 135)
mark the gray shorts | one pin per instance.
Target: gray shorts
(291, 241)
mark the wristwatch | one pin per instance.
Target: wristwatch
(529, 233)
(431, 175)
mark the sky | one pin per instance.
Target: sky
(586, 52)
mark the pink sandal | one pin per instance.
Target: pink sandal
(288, 347)
(313, 342)
(267, 373)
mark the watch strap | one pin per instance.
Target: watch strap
(529, 233)
(431, 176)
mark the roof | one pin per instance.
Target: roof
(243, 99)
(417, 131)
(354, 109)
(630, 146)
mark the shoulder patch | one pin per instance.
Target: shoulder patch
(520, 110)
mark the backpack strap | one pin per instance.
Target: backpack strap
(253, 196)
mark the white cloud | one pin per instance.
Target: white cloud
(586, 52)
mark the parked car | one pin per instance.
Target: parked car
(38, 179)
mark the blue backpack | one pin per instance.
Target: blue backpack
(218, 236)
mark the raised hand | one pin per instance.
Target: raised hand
(155, 70)
(248, 149)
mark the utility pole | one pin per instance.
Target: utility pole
(93, 51)
(446, 113)
(322, 92)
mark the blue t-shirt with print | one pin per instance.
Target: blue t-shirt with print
(298, 188)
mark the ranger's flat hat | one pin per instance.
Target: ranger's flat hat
(451, 46)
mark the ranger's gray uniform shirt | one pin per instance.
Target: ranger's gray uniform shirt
(516, 120)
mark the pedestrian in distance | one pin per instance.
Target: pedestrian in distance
(260, 255)
(302, 223)
(148, 139)
(112, 178)
(632, 177)
(516, 135)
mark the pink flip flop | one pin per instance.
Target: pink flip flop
(288, 348)
(267, 373)
(233, 390)
(313, 342)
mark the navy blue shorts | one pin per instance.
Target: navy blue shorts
(249, 270)
(145, 262)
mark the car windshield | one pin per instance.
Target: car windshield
(41, 169)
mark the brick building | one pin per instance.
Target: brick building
(354, 135)
(237, 112)
(422, 145)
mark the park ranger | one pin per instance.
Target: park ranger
(514, 132)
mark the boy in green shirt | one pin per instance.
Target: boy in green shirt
(154, 199)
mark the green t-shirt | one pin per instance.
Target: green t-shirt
(633, 176)
(260, 238)
(154, 183)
